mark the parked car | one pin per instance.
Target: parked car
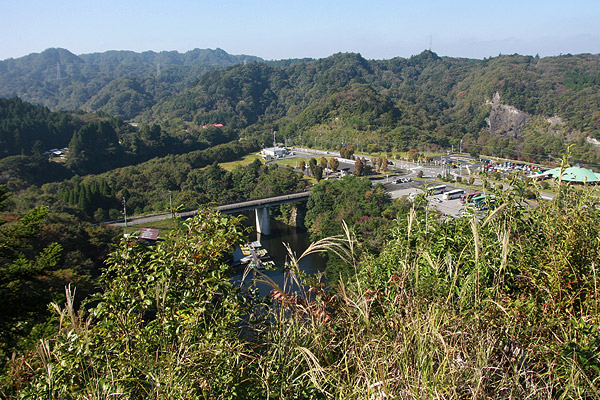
(403, 180)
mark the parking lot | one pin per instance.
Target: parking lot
(406, 185)
(447, 207)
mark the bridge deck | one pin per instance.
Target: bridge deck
(259, 203)
(224, 208)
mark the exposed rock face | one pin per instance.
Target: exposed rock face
(506, 120)
(593, 142)
(555, 121)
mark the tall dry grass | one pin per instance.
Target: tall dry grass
(466, 309)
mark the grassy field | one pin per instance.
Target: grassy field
(163, 225)
(229, 166)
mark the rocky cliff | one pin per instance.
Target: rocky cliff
(505, 120)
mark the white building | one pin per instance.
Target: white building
(272, 152)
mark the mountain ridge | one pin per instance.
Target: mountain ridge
(59, 79)
(425, 101)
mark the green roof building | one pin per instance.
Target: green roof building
(575, 175)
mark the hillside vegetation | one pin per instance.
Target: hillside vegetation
(424, 102)
(503, 307)
(96, 143)
(122, 83)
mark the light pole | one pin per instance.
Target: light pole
(125, 210)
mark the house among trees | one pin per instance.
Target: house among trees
(56, 152)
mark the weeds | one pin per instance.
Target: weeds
(500, 308)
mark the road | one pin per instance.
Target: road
(439, 167)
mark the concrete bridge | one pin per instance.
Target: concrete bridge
(260, 206)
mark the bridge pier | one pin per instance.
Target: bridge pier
(263, 221)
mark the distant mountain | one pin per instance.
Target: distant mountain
(426, 101)
(510, 105)
(59, 79)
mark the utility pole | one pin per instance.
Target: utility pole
(125, 210)
(171, 205)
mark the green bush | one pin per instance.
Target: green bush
(503, 306)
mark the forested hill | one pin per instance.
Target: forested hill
(96, 142)
(510, 105)
(516, 105)
(122, 83)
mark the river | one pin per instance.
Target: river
(298, 240)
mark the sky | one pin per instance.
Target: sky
(281, 29)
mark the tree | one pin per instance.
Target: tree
(323, 162)
(334, 163)
(412, 155)
(375, 163)
(347, 152)
(174, 295)
(312, 163)
(358, 167)
(318, 173)
(22, 265)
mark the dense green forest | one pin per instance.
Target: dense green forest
(96, 143)
(122, 83)
(424, 102)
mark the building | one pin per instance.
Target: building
(575, 175)
(272, 152)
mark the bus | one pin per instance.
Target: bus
(467, 197)
(483, 202)
(453, 194)
(436, 189)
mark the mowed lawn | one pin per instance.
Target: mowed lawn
(163, 226)
(229, 166)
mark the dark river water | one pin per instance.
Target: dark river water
(298, 240)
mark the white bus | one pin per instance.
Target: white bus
(436, 189)
(453, 194)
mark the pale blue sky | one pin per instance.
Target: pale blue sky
(378, 29)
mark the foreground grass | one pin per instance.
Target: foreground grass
(504, 307)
